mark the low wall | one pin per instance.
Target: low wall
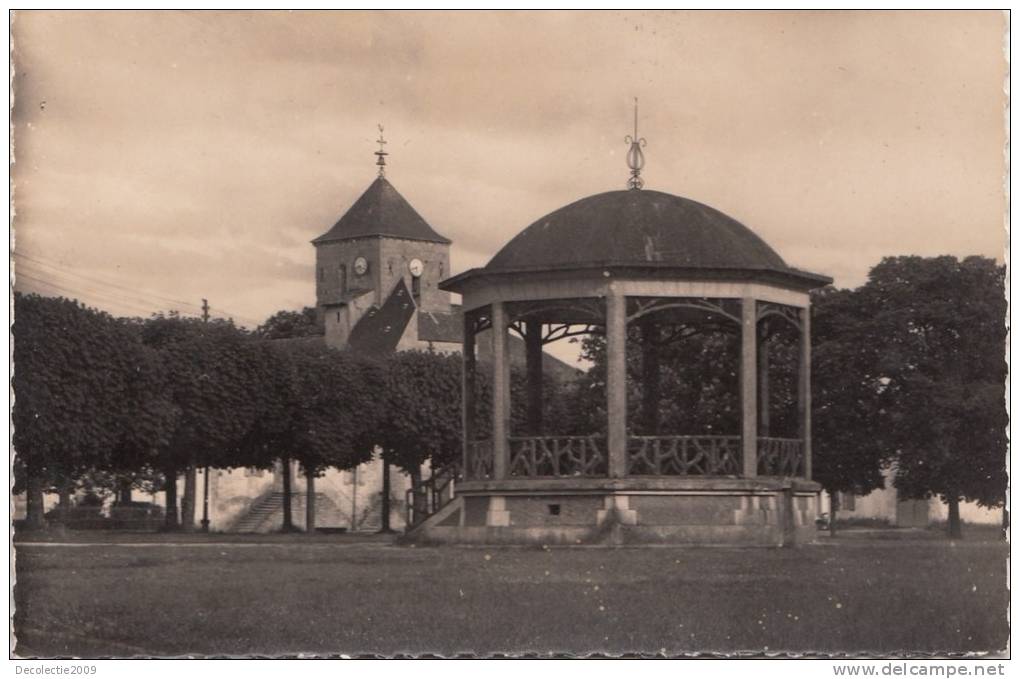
(705, 510)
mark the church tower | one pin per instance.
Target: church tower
(379, 266)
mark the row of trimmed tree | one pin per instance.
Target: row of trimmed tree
(140, 403)
(908, 370)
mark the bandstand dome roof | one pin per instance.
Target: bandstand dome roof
(647, 232)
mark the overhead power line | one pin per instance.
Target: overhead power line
(86, 297)
(121, 294)
(91, 290)
(99, 281)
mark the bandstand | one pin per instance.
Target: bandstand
(626, 264)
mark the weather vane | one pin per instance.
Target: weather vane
(635, 156)
(381, 153)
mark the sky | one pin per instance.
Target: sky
(166, 157)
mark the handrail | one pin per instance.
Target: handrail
(480, 463)
(557, 456)
(438, 490)
(780, 456)
(704, 455)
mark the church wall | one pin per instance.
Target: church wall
(970, 512)
(343, 494)
(441, 347)
(394, 256)
(388, 260)
(232, 493)
(329, 257)
(339, 320)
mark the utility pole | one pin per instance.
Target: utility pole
(205, 475)
(354, 499)
(385, 493)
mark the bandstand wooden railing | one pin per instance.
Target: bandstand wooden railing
(479, 460)
(780, 456)
(557, 456)
(683, 455)
(586, 456)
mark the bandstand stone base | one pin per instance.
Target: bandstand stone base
(762, 511)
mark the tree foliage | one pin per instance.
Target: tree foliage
(698, 376)
(422, 419)
(290, 324)
(850, 403)
(942, 327)
(213, 382)
(325, 406)
(72, 389)
(910, 372)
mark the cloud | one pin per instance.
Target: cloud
(196, 154)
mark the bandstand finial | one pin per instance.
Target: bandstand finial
(381, 153)
(635, 156)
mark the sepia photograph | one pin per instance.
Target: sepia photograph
(510, 334)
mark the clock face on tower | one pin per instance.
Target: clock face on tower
(416, 267)
(360, 266)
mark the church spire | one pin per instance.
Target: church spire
(635, 156)
(381, 153)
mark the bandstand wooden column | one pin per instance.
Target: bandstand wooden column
(468, 390)
(650, 378)
(748, 386)
(616, 382)
(804, 388)
(500, 391)
(763, 385)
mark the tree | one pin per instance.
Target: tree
(422, 418)
(850, 403)
(290, 324)
(71, 376)
(942, 327)
(212, 382)
(696, 381)
(146, 424)
(323, 408)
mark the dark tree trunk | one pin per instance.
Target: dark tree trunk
(955, 530)
(170, 521)
(650, 378)
(288, 518)
(64, 505)
(764, 427)
(418, 497)
(35, 518)
(190, 500)
(833, 510)
(385, 518)
(124, 491)
(309, 501)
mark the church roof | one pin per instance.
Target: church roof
(641, 230)
(380, 329)
(381, 211)
(441, 327)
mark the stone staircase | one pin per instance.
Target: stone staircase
(265, 515)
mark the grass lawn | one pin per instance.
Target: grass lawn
(334, 594)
